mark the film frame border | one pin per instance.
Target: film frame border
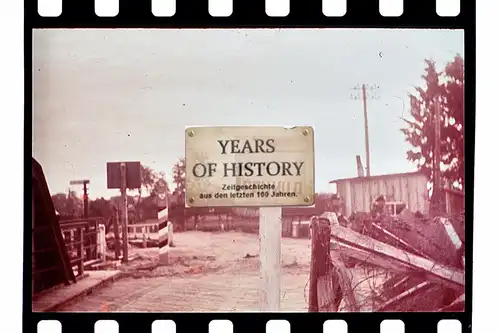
(251, 14)
(246, 14)
(247, 322)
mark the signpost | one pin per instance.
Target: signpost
(93, 238)
(265, 167)
(123, 190)
(79, 182)
(83, 182)
(124, 175)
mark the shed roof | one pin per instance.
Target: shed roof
(392, 175)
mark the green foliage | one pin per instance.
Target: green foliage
(448, 87)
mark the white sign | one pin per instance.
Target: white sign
(249, 166)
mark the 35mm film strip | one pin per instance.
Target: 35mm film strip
(196, 13)
(224, 8)
(338, 206)
(280, 326)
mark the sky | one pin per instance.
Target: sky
(127, 95)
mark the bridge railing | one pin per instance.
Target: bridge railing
(80, 237)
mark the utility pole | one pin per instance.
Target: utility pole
(123, 171)
(363, 88)
(367, 140)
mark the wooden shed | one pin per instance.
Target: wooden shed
(358, 193)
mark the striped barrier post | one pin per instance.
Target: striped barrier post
(164, 240)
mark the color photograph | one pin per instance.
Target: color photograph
(248, 170)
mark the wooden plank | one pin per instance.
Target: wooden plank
(329, 292)
(457, 305)
(393, 302)
(366, 256)
(345, 280)
(351, 243)
(425, 296)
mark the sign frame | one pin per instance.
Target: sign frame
(209, 161)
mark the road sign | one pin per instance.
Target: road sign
(249, 166)
(266, 167)
(133, 174)
(79, 182)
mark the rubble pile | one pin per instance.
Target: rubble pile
(423, 261)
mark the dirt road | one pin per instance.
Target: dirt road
(207, 272)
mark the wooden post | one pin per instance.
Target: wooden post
(85, 200)
(102, 241)
(125, 211)
(87, 240)
(313, 276)
(270, 257)
(326, 278)
(80, 252)
(117, 234)
(170, 227)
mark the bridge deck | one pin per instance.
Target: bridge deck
(207, 271)
(52, 299)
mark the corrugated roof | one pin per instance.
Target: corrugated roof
(392, 175)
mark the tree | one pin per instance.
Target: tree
(100, 208)
(60, 202)
(160, 191)
(179, 175)
(147, 208)
(68, 205)
(152, 182)
(148, 179)
(447, 86)
(178, 196)
(453, 133)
